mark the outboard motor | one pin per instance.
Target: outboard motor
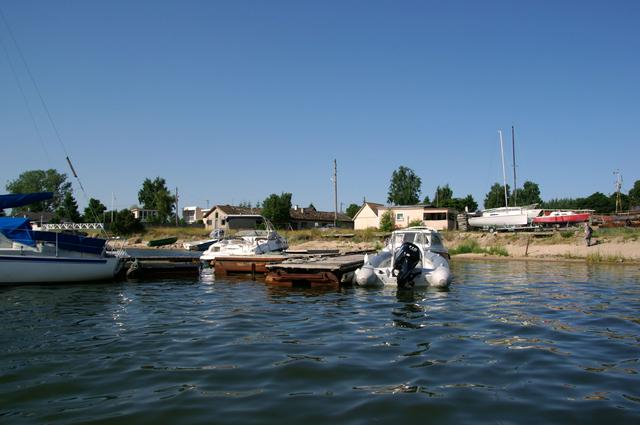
(405, 261)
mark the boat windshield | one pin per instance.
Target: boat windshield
(417, 238)
(255, 232)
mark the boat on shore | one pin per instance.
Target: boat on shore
(29, 256)
(505, 217)
(203, 244)
(562, 217)
(162, 242)
(413, 257)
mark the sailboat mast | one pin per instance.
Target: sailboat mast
(513, 149)
(504, 173)
(335, 192)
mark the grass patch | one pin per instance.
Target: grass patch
(567, 234)
(473, 247)
(596, 258)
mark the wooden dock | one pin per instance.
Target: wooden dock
(250, 264)
(142, 267)
(314, 272)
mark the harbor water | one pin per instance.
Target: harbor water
(511, 342)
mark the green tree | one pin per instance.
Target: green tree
(443, 195)
(277, 209)
(461, 204)
(495, 197)
(599, 202)
(94, 212)
(426, 200)
(529, 194)
(405, 187)
(634, 195)
(41, 181)
(352, 210)
(68, 210)
(125, 223)
(561, 204)
(154, 195)
(387, 223)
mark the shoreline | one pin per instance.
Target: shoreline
(521, 247)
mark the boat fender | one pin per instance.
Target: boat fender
(405, 261)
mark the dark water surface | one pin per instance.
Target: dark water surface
(510, 343)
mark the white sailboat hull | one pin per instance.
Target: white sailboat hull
(47, 269)
(504, 217)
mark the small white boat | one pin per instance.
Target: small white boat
(246, 242)
(28, 256)
(414, 257)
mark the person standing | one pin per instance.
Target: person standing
(588, 231)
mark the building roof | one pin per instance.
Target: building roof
(230, 209)
(309, 214)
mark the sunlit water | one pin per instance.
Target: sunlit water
(510, 343)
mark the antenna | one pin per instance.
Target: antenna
(618, 187)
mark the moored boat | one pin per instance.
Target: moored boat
(245, 243)
(28, 256)
(414, 257)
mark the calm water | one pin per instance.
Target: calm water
(510, 343)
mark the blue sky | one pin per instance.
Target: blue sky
(232, 101)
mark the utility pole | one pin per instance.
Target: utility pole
(335, 192)
(113, 202)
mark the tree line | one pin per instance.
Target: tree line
(153, 195)
(404, 189)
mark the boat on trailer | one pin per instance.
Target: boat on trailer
(30, 256)
(505, 217)
(562, 217)
(413, 257)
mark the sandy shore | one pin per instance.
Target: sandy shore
(518, 246)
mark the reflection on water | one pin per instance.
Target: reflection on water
(510, 342)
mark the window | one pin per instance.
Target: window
(399, 216)
(434, 216)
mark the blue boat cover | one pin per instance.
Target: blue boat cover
(70, 242)
(17, 229)
(20, 199)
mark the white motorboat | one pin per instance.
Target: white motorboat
(247, 242)
(414, 257)
(28, 256)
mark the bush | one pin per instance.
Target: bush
(125, 224)
(387, 223)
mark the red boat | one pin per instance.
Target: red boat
(550, 217)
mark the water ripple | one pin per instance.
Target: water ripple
(511, 342)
